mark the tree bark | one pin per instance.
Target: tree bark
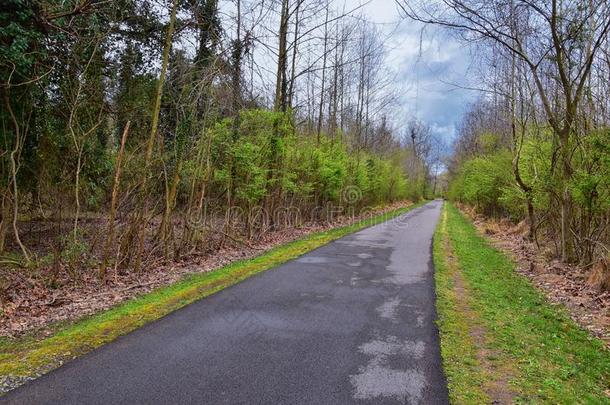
(280, 83)
(113, 203)
(142, 220)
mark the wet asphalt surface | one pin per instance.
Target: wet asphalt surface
(350, 322)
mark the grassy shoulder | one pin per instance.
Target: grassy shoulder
(529, 345)
(30, 356)
(465, 377)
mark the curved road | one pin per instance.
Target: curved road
(350, 322)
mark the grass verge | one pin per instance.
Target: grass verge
(30, 356)
(549, 358)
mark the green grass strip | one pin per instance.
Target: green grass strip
(29, 356)
(555, 361)
(465, 378)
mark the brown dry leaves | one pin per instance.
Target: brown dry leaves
(32, 306)
(561, 283)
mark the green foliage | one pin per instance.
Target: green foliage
(269, 155)
(18, 38)
(535, 168)
(82, 77)
(590, 185)
(327, 168)
(485, 182)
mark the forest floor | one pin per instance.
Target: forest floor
(55, 337)
(32, 304)
(561, 283)
(502, 340)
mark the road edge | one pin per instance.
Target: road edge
(27, 358)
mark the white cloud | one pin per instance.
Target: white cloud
(431, 66)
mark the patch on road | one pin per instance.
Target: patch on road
(378, 379)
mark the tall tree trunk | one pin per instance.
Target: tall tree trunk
(294, 55)
(280, 81)
(334, 99)
(14, 156)
(165, 229)
(518, 141)
(567, 248)
(113, 204)
(141, 221)
(236, 76)
(321, 108)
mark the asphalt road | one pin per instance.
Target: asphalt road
(350, 322)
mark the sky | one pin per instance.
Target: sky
(431, 67)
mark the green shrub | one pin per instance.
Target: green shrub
(485, 182)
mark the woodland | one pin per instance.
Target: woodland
(535, 146)
(135, 131)
(139, 132)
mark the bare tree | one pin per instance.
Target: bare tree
(558, 39)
